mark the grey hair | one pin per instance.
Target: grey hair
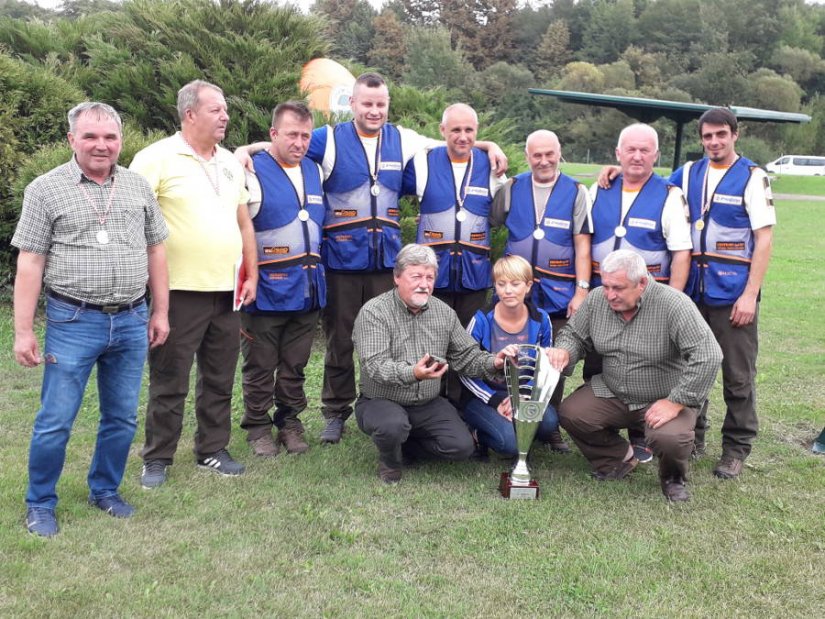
(454, 108)
(541, 133)
(188, 96)
(625, 260)
(101, 111)
(646, 128)
(414, 255)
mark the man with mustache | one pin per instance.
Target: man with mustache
(287, 209)
(406, 340)
(201, 190)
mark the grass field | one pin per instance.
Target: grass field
(318, 535)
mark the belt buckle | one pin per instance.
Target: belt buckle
(110, 309)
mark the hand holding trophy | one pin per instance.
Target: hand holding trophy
(531, 381)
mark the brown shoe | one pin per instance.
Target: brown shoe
(674, 489)
(728, 467)
(264, 446)
(293, 440)
(557, 444)
(618, 472)
(388, 474)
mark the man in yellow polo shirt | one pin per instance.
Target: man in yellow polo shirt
(201, 190)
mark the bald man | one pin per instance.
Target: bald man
(455, 186)
(547, 215)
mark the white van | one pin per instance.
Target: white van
(798, 165)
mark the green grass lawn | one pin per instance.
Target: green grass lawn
(319, 535)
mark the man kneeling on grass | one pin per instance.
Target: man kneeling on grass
(406, 340)
(660, 361)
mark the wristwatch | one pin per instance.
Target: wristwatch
(584, 284)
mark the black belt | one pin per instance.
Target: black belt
(106, 309)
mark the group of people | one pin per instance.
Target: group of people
(306, 227)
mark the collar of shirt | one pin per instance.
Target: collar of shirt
(77, 174)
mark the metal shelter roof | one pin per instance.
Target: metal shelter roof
(648, 110)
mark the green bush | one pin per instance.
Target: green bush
(32, 114)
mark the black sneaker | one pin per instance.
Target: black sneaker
(222, 463)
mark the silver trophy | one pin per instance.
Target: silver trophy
(531, 381)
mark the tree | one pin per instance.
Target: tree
(350, 28)
(553, 51)
(432, 62)
(389, 47)
(611, 29)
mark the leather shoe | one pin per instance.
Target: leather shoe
(674, 489)
(388, 474)
(557, 444)
(618, 472)
(728, 467)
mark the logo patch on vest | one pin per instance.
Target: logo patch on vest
(654, 268)
(346, 212)
(722, 198)
(432, 234)
(559, 264)
(393, 212)
(562, 224)
(390, 166)
(478, 236)
(730, 246)
(314, 199)
(638, 222)
(276, 275)
(276, 251)
(476, 191)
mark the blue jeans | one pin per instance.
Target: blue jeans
(76, 340)
(497, 433)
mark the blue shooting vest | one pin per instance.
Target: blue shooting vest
(290, 275)
(723, 248)
(462, 247)
(361, 231)
(643, 225)
(552, 257)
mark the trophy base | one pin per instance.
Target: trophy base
(509, 490)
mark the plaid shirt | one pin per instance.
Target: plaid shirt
(391, 339)
(58, 221)
(666, 350)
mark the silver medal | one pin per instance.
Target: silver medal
(303, 215)
(620, 231)
(461, 215)
(538, 234)
(375, 190)
(102, 237)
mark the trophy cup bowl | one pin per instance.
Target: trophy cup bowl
(530, 384)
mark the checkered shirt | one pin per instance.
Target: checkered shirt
(58, 221)
(390, 340)
(666, 350)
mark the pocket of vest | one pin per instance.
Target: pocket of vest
(724, 282)
(346, 250)
(282, 290)
(391, 240)
(476, 271)
(556, 294)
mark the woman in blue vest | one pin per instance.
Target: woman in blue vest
(511, 321)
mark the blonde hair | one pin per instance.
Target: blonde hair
(513, 268)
